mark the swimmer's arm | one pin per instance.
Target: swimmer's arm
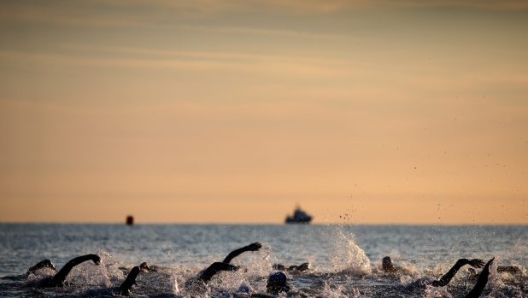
(252, 247)
(444, 280)
(125, 287)
(60, 277)
(214, 269)
(481, 283)
(42, 264)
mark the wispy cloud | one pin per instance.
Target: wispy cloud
(168, 12)
(208, 7)
(79, 13)
(130, 14)
(195, 61)
(202, 8)
(207, 55)
(267, 32)
(468, 4)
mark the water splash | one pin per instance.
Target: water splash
(88, 274)
(348, 256)
(332, 290)
(432, 292)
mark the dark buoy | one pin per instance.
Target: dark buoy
(130, 220)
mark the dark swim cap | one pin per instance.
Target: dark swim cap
(277, 277)
(277, 283)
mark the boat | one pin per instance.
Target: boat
(299, 216)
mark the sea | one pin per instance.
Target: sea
(345, 259)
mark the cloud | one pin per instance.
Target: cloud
(267, 32)
(209, 7)
(467, 4)
(202, 8)
(193, 61)
(139, 13)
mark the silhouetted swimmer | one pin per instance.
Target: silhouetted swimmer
(446, 278)
(213, 269)
(130, 280)
(216, 267)
(235, 253)
(482, 281)
(58, 279)
(388, 266)
(293, 268)
(198, 284)
(277, 283)
(32, 270)
(42, 264)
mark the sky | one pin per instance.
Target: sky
(361, 112)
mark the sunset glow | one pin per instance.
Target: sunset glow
(236, 112)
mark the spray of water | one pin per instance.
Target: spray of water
(432, 292)
(347, 255)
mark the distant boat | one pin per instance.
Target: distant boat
(299, 216)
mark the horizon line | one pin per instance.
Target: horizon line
(265, 223)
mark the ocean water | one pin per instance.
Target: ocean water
(345, 260)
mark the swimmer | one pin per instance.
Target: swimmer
(42, 264)
(58, 279)
(32, 270)
(387, 266)
(277, 283)
(198, 284)
(252, 247)
(216, 267)
(446, 278)
(130, 280)
(213, 269)
(293, 268)
(482, 281)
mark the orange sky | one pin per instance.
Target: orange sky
(236, 111)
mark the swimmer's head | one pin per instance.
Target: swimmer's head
(42, 264)
(277, 283)
(48, 264)
(244, 288)
(386, 264)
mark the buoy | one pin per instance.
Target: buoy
(130, 220)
